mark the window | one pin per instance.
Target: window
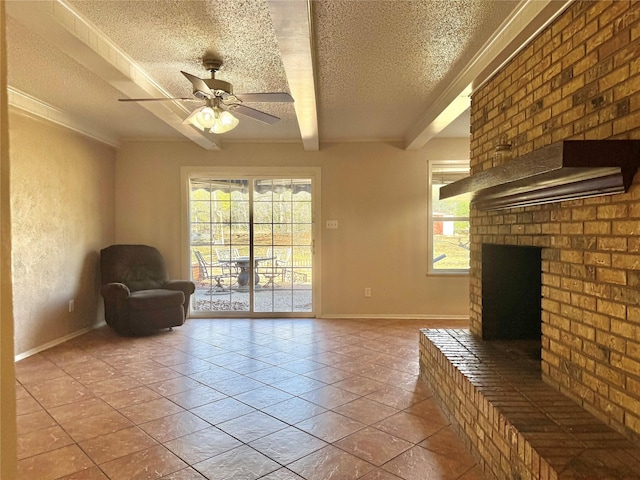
(448, 220)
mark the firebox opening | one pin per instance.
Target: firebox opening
(512, 293)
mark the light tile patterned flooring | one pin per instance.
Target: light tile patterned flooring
(275, 399)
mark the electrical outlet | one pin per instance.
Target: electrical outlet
(332, 224)
(367, 292)
(72, 305)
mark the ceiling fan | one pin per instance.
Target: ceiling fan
(215, 115)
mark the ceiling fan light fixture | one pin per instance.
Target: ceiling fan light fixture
(219, 99)
(206, 117)
(193, 119)
(211, 117)
(224, 121)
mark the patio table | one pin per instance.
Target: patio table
(243, 264)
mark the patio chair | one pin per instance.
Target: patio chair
(277, 266)
(206, 270)
(298, 271)
(225, 259)
(138, 295)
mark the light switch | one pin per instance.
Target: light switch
(332, 224)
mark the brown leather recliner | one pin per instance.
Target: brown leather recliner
(138, 295)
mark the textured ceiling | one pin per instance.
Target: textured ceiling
(379, 65)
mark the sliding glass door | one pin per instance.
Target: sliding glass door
(251, 245)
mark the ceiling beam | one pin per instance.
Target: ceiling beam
(65, 28)
(292, 21)
(527, 20)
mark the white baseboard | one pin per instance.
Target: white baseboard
(57, 341)
(394, 317)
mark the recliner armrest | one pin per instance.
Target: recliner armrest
(115, 292)
(187, 286)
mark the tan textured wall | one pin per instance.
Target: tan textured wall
(7, 371)
(63, 213)
(377, 192)
(580, 79)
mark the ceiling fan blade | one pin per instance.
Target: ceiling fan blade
(155, 99)
(265, 97)
(200, 88)
(253, 113)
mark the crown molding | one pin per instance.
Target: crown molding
(38, 108)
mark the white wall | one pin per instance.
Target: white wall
(377, 192)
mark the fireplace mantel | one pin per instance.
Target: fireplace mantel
(565, 170)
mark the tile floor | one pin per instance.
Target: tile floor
(275, 399)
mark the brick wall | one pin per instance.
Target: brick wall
(579, 79)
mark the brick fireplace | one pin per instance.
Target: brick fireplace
(580, 80)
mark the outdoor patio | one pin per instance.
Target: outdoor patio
(281, 298)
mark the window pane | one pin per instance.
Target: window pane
(282, 212)
(450, 220)
(450, 245)
(262, 212)
(240, 212)
(302, 212)
(302, 234)
(262, 234)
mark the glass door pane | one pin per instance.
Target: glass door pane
(219, 239)
(251, 248)
(282, 245)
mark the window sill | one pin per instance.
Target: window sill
(448, 273)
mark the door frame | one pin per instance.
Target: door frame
(314, 173)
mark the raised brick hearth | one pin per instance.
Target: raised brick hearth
(519, 427)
